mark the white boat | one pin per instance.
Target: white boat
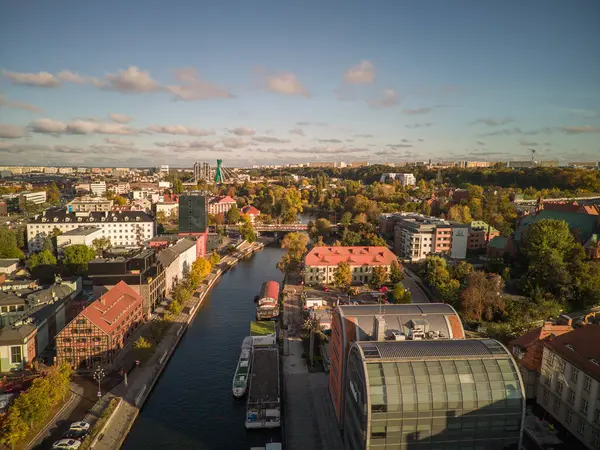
(240, 379)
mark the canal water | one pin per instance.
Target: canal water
(191, 406)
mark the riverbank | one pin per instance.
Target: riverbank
(143, 379)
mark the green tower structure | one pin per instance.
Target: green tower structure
(219, 172)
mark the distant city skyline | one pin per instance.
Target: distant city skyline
(135, 84)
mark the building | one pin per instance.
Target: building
(8, 266)
(89, 204)
(251, 212)
(98, 187)
(521, 164)
(500, 246)
(3, 208)
(146, 193)
(193, 213)
(528, 349)
(177, 261)
(480, 234)
(37, 198)
(406, 179)
(11, 307)
(78, 236)
(432, 394)
(220, 205)
(356, 164)
(169, 205)
(141, 270)
(17, 347)
(321, 262)
(369, 322)
(120, 188)
(127, 228)
(569, 387)
(416, 236)
(584, 164)
(98, 333)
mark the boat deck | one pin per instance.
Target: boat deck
(264, 380)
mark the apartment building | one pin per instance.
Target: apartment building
(406, 179)
(480, 234)
(321, 262)
(120, 188)
(145, 193)
(569, 387)
(416, 236)
(78, 236)
(36, 198)
(88, 204)
(177, 260)
(127, 228)
(220, 205)
(99, 332)
(98, 187)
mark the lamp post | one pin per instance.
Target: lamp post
(98, 375)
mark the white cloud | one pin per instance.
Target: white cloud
(580, 130)
(132, 80)
(235, 142)
(178, 129)
(119, 118)
(388, 98)
(49, 126)
(4, 102)
(119, 142)
(491, 122)
(243, 131)
(194, 88)
(206, 145)
(40, 79)
(270, 140)
(11, 131)
(298, 131)
(73, 77)
(285, 83)
(363, 72)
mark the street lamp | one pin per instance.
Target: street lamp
(98, 375)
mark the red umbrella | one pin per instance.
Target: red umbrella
(383, 289)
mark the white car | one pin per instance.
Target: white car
(80, 426)
(66, 444)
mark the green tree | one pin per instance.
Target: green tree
(396, 273)
(161, 217)
(101, 244)
(119, 200)
(215, 259)
(48, 244)
(346, 219)
(342, 275)
(177, 186)
(373, 239)
(53, 194)
(142, 343)
(322, 228)
(8, 244)
(14, 427)
(291, 205)
(296, 244)
(482, 297)
(401, 295)
(233, 215)
(462, 270)
(379, 276)
(247, 229)
(76, 258)
(351, 238)
(43, 258)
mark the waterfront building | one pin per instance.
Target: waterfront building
(373, 323)
(37, 198)
(251, 212)
(321, 262)
(140, 269)
(98, 187)
(98, 333)
(569, 385)
(432, 394)
(220, 205)
(177, 261)
(88, 204)
(127, 228)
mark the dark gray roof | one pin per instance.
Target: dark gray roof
(96, 216)
(81, 231)
(8, 262)
(15, 335)
(427, 349)
(10, 299)
(54, 292)
(168, 255)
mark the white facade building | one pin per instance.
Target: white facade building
(98, 187)
(127, 228)
(32, 197)
(120, 188)
(79, 236)
(88, 204)
(177, 261)
(406, 179)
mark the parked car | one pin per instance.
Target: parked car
(66, 444)
(80, 426)
(74, 434)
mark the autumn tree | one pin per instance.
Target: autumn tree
(460, 213)
(482, 296)
(379, 276)
(401, 295)
(214, 259)
(296, 244)
(291, 205)
(233, 215)
(346, 219)
(342, 275)
(101, 244)
(396, 273)
(53, 194)
(322, 227)
(119, 200)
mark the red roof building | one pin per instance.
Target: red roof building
(251, 212)
(321, 262)
(97, 334)
(220, 205)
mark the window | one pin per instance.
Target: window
(16, 355)
(571, 395)
(587, 383)
(547, 377)
(559, 387)
(584, 406)
(556, 406)
(574, 374)
(568, 416)
(596, 440)
(597, 417)
(561, 366)
(581, 427)
(545, 398)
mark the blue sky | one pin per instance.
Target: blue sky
(154, 82)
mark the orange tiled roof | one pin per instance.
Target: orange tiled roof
(332, 256)
(533, 344)
(580, 347)
(251, 210)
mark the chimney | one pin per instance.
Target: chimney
(378, 328)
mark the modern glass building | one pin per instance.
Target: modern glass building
(193, 212)
(452, 394)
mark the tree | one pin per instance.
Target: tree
(247, 229)
(351, 238)
(482, 297)
(346, 219)
(460, 213)
(161, 217)
(291, 205)
(177, 186)
(342, 275)
(43, 258)
(373, 239)
(101, 244)
(401, 295)
(233, 215)
(76, 258)
(215, 259)
(295, 243)
(48, 244)
(379, 276)
(462, 270)
(8, 244)
(53, 194)
(322, 228)
(142, 343)
(119, 200)
(396, 273)
(201, 267)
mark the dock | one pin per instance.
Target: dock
(264, 404)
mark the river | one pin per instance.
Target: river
(191, 406)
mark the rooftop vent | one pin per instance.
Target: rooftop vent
(126, 219)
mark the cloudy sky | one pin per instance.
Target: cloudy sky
(134, 83)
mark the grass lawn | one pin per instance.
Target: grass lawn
(262, 328)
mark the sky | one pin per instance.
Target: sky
(143, 83)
